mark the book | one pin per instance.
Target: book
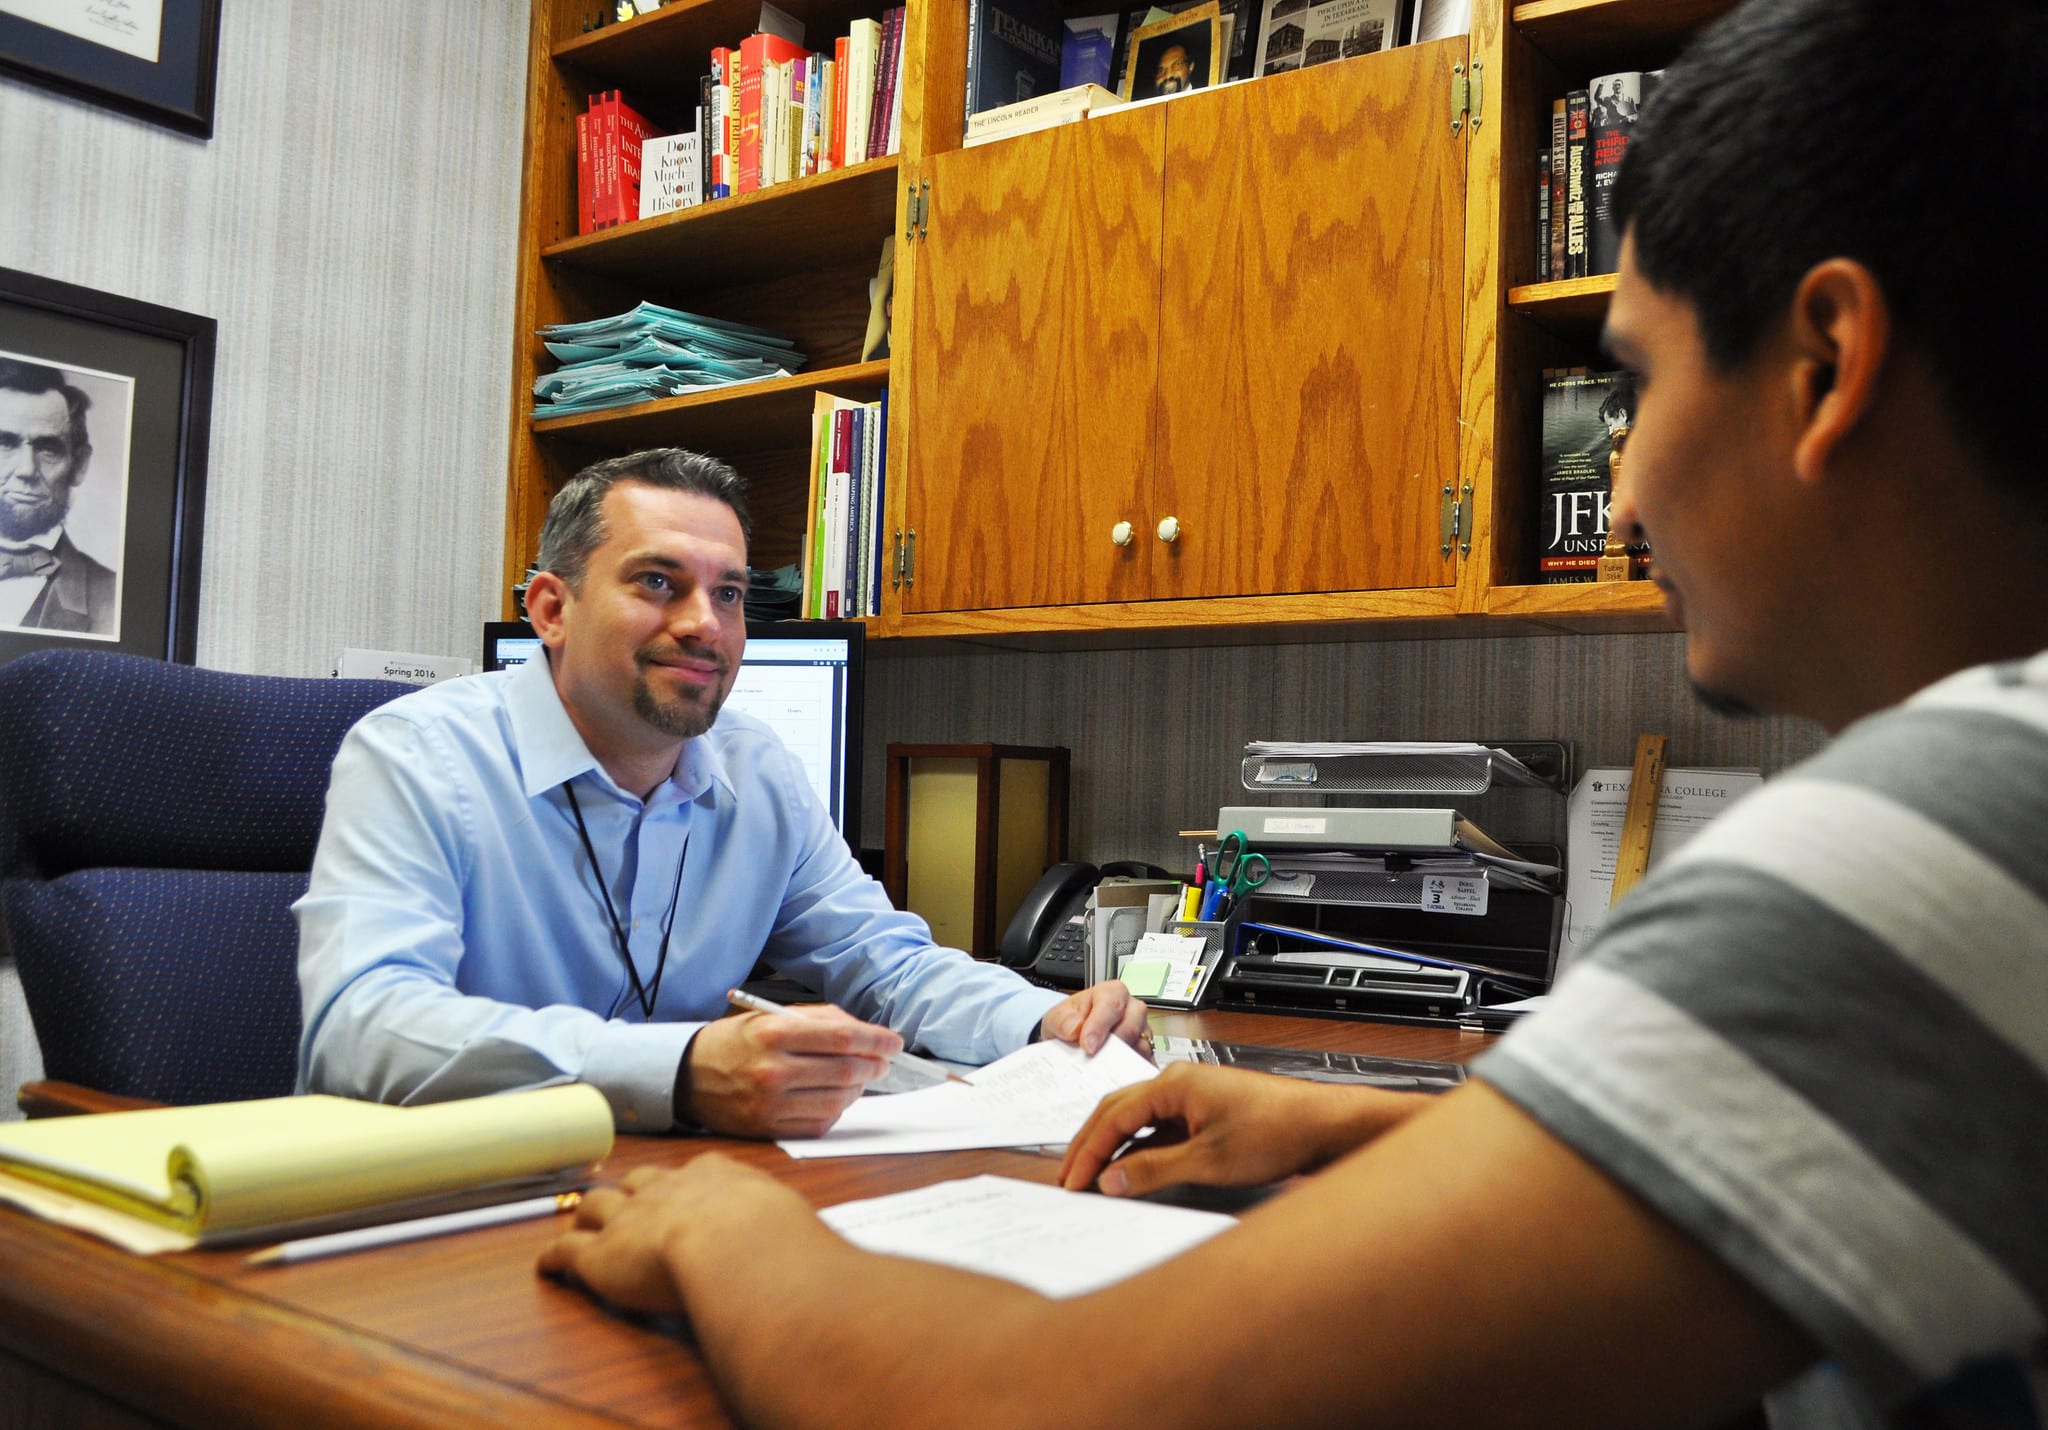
(1614, 102)
(881, 490)
(1086, 51)
(672, 175)
(756, 53)
(1543, 213)
(1293, 36)
(585, 199)
(1042, 112)
(1013, 51)
(840, 73)
(885, 77)
(1583, 414)
(1575, 116)
(864, 43)
(170, 1178)
(894, 105)
(1557, 182)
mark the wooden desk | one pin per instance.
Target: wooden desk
(456, 1331)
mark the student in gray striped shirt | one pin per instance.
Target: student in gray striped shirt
(1784, 1134)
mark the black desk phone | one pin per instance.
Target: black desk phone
(1047, 939)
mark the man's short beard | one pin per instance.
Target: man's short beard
(679, 719)
(1733, 707)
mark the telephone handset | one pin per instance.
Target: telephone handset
(1048, 935)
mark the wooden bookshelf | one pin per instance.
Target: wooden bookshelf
(1165, 394)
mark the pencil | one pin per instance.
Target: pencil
(312, 1248)
(911, 1062)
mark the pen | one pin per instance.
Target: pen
(909, 1062)
(312, 1248)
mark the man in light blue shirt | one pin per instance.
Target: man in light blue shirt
(554, 873)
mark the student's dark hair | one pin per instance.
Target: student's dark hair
(575, 522)
(1901, 135)
(34, 377)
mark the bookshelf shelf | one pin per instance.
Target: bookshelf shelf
(1572, 307)
(751, 417)
(770, 232)
(655, 52)
(1594, 35)
(1639, 599)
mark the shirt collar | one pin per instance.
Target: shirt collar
(552, 752)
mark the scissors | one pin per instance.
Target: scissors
(1236, 872)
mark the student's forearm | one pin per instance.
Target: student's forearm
(821, 1328)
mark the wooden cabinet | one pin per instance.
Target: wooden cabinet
(1294, 315)
(1239, 312)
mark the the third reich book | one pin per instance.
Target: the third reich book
(1586, 417)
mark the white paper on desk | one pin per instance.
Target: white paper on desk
(1036, 1095)
(1686, 800)
(1056, 1243)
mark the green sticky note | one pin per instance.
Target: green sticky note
(1145, 977)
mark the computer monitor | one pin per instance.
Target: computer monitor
(804, 679)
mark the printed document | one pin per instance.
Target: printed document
(1686, 800)
(1056, 1243)
(1037, 1095)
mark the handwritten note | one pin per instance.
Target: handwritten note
(134, 27)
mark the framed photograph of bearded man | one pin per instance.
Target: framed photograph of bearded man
(105, 405)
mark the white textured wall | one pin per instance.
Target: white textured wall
(351, 226)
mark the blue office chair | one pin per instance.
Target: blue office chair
(156, 823)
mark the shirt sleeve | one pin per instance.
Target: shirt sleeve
(1812, 1040)
(381, 932)
(837, 932)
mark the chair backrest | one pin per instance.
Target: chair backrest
(156, 823)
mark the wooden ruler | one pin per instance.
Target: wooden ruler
(1645, 782)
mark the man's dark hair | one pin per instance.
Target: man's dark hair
(33, 377)
(575, 522)
(1902, 136)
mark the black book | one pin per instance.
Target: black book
(1586, 417)
(1013, 51)
(1575, 119)
(1614, 104)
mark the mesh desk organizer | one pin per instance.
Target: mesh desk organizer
(1371, 926)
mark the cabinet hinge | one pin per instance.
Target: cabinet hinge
(906, 560)
(1461, 97)
(1452, 527)
(1478, 97)
(917, 204)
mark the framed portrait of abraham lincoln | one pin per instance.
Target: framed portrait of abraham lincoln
(105, 405)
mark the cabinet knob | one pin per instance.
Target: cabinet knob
(1120, 534)
(1169, 528)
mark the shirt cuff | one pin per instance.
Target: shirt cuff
(634, 1065)
(1021, 1023)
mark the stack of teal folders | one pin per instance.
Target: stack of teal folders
(653, 352)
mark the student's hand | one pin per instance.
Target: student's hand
(1095, 1015)
(1242, 1128)
(784, 1074)
(629, 1244)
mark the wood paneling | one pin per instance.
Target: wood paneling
(1037, 349)
(1311, 326)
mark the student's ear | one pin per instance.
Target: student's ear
(546, 596)
(1841, 335)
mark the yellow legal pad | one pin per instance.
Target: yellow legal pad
(226, 1170)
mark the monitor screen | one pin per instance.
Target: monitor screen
(801, 678)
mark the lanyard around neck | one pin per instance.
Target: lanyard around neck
(643, 994)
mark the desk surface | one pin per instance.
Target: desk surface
(455, 1331)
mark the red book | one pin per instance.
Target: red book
(756, 51)
(583, 194)
(633, 131)
(840, 71)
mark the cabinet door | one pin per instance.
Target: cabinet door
(1311, 329)
(1036, 349)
